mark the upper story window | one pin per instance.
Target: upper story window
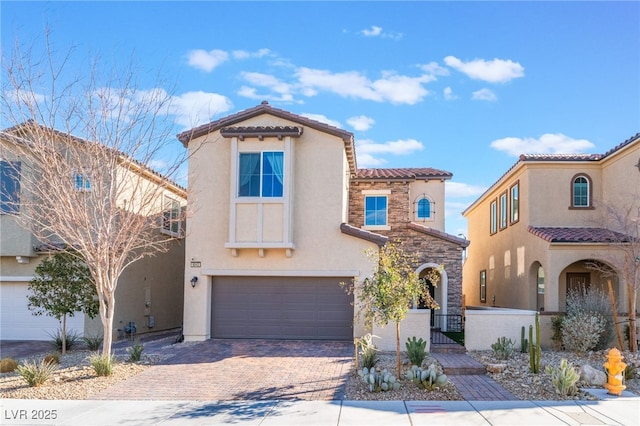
(514, 202)
(9, 187)
(375, 207)
(171, 217)
(503, 210)
(493, 211)
(581, 191)
(261, 174)
(423, 209)
(81, 181)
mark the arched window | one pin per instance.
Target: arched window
(423, 209)
(581, 191)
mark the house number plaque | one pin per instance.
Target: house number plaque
(196, 264)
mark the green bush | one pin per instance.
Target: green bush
(93, 342)
(7, 365)
(582, 330)
(72, 340)
(36, 374)
(416, 350)
(367, 351)
(102, 364)
(503, 348)
(564, 378)
(135, 351)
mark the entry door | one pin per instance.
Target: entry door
(580, 281)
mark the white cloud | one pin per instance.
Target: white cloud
(391, 87)
(461, 190)
(194, 108)
(361, 123)
(549, 143)
(494, 71)
(370, 153)
(24, 97)
(284, 90)
(434, 69)
(243, 54)
(374, 31)
(484, 95)
(323, 119)
(368, 160)
(206, 60)
(448, 94)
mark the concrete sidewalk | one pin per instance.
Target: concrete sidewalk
(610, 410)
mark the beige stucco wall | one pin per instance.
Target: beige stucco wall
(318, 207)
(415, 324)
(485, 327)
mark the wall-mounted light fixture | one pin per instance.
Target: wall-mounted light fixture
(194, 280)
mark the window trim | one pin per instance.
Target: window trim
(493, 217)
(514, 202)
(503, 214)
(177, 219)
(589, 206)
(86, 179)
(379, 227)
(8, 205)
(483, 286)
(416, 203)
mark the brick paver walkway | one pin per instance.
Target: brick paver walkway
(474, 387)
(221, 369)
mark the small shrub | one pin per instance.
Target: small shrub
(564, 378)
(581, 331)
(72, 340)
(594, 301)
(93, 342)
(416, 350)
(503, 348)
(7, 365)
(367, 351)
(556, 338)
(52, 358)
(102, 364)
(379, 381)
(35, 374)
(427, 378)
(135, 351)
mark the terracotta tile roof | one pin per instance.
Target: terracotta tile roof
(401, 174)
(261, 132)
(462, 242)
(578, 235)
(560, 157)
(365, 235)
(265, 108)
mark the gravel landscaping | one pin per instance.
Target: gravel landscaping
(76, 380)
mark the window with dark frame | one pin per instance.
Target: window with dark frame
(514, 204)
(493, 224)
(483, 286)
(504, 208)
(581, 191)
(10, 187)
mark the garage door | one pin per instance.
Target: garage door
(18, 323)
(281, 308)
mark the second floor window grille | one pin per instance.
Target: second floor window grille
(424, 209)
(81, 182)
(580, 192)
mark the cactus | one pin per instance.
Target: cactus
(524, 343)
(534, 351)
(564, 378)
(416, 350)
(428, 378)
(503, 348)
(379, 381)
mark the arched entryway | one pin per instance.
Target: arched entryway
(537, 286)
(438, 293)
(585, 275)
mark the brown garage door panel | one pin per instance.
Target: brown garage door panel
(281, 308)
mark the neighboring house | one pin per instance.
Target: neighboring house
(537, 230)
(149, 292)
(280, 216)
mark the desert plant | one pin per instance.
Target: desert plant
(524, 342)
(503, 348)
(556, 337)
(52, 358)
(595, 301)
(564, 378)
(7, 365)
(379, 380)
(71, 339)
(416, 350)
(35, 373)
(135, 351)
(93, 342)
(535, 353)
(428, 378)
(367, 351)
(102, 364)
(581, 331)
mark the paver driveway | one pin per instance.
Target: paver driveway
(222, 369)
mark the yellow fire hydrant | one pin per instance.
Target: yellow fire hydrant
(615, 372)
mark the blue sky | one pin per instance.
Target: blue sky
(458, 86)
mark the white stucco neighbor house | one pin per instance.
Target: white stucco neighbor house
(279, 215)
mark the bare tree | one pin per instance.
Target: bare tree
(84, 142)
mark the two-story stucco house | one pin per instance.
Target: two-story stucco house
(538, 230)
(280, 215)
(149, 292)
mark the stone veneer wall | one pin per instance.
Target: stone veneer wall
(429, 249)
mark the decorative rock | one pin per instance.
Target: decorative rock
(592, 377)
(496, 368)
